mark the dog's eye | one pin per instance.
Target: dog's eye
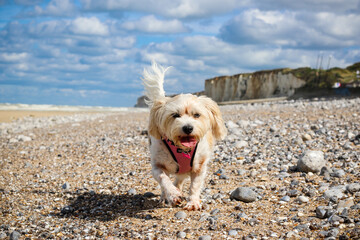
(196, 115)
(176, 115)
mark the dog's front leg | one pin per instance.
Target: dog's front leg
(171, 193)
(197, 180)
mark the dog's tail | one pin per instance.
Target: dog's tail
(153, 81)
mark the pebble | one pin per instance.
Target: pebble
(66, 186)
(306, 137)
(285, 199)
(244, 194)
(181, 215)
(15, 235)
(346, 203)
(181, 235)
(353, 187)
(322, 212)
(303, 199)
(3, 235)
(336, 191)
(338, 173)
(131, 191)
(205, 237)
(241, 144)
(311, 161)
(23, 138)
(233, 233)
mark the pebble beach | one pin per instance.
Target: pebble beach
(287, 170)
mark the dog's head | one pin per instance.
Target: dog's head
(186, 118)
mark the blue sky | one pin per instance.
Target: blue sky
(92, 52)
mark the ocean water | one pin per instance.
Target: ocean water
(65, 108)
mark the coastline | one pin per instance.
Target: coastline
(13, 112)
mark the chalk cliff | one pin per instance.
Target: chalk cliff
(262, 84)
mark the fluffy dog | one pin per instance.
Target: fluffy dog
(182, 131)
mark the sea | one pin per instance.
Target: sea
(66, 108)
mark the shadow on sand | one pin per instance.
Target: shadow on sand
(102, 207)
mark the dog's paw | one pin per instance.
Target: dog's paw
(175, 198)
(193, 205)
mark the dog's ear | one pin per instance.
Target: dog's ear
(155, 118)
(217, 123)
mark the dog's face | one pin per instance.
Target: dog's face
(186, 118)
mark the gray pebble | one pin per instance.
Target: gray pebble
(219, 172)
(303, 199)
(215, 211)
(244, 194)
(293, 193)
(346, 203)
(353, 187)
(223, 176)
(285, 199)
(3, 235)
(233, 233)
(311, 161)
(241, 144)
(23, 138)
(337, 191)
(241, 172)
(180, 215)
(338, 173)
(132, 191)
(205, 237)
(181, 235)
(321, 212)
(15, 235)
(66, 186)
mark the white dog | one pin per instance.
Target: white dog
(182, 131)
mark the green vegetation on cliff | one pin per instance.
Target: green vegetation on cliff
(319, 78)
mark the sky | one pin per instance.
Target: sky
(92, 53)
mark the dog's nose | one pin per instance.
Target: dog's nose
(187, 129)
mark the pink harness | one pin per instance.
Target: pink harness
(182, 158)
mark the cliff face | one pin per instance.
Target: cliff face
(263, 84)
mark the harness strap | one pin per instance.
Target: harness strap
(182, 158)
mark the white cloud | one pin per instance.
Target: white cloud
(89, 26)
(150, 24)
(56, 8)
(27, 2)
(13, 57)
(174, 9)
(292, 29)
(335, 6)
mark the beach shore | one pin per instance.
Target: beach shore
(75, 175)
(13, 115)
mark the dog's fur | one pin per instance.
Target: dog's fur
(168, 116)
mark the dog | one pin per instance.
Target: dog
(182, 133)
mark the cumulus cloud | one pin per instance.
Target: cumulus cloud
(54, 8)
(292, 29)
(13, 57)
(150, 24)
(89, 26)
(27, 2)
(335, 6)
(174, 9)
